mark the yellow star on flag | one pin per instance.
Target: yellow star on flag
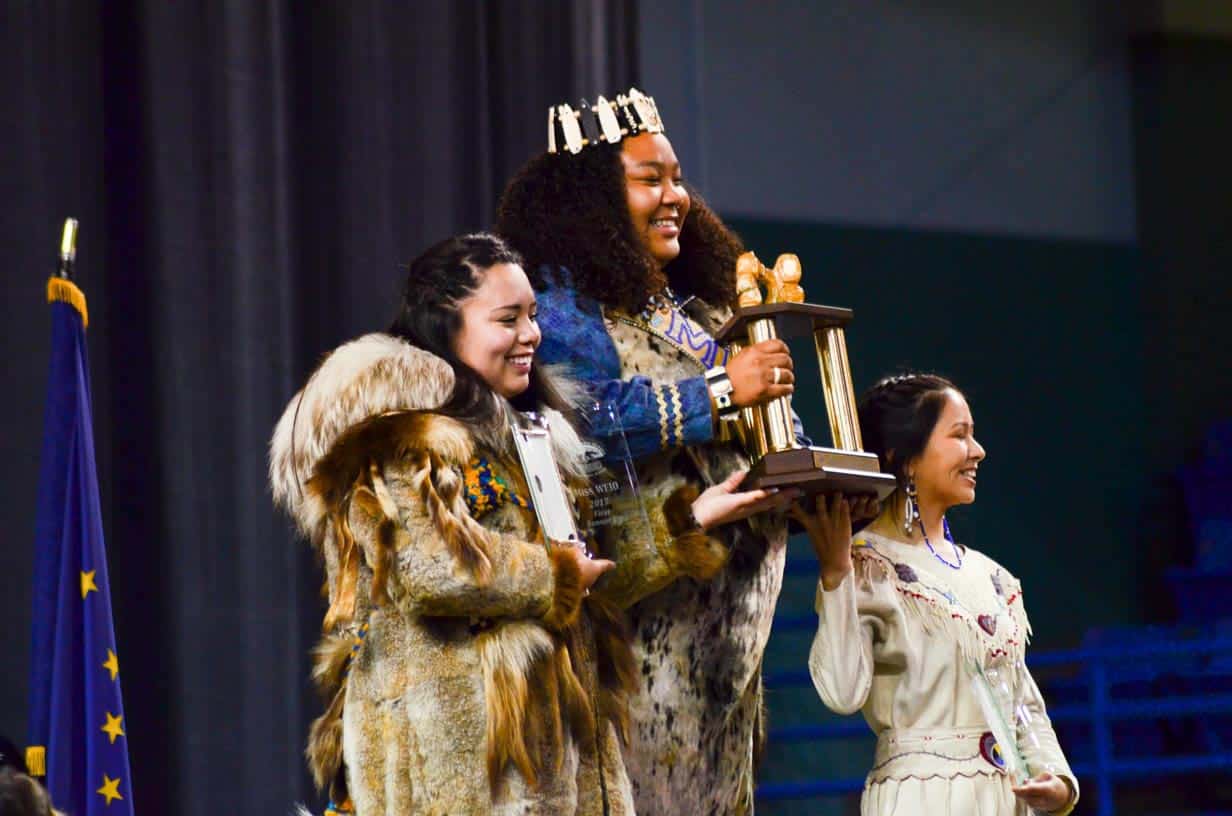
(87, 583)
(110, 789)
(113, 727)
(111, 664)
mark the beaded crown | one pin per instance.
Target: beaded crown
(605, 121)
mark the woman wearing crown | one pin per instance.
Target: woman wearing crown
(635, 275)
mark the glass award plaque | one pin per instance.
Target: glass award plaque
(532, 437)
(1004, 716)
(618, 516)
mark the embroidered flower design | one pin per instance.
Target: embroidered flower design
(991, 751)
(988, 623)
(996, 583)
(905, 574)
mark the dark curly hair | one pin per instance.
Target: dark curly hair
(569, 210)
(897, 416)
(428, 318)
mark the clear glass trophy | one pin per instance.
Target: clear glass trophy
(996, 701)
(1029, 724)
(1008, 715)
(618, 517)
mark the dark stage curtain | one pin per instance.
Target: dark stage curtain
(249, 177)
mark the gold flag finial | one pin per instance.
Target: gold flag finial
(68, 248)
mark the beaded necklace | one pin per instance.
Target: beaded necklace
(912, 513)
(666, 299)
(945, 525)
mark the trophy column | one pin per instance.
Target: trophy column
(779, 434)
(840, 394)
(750, 430)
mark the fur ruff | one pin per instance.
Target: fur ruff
(373, 397)
(369, 378)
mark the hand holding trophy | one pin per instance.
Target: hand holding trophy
(766, 430)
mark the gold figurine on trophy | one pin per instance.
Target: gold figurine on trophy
(766, 430)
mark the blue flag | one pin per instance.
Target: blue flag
(77, 728)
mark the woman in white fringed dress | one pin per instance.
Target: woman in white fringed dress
(905, 614)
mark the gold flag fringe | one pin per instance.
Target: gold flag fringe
(65, 291)
(36, 760)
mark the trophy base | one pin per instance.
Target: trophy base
(821, 470)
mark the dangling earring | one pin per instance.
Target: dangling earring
(911, 508)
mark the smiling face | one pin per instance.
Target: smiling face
(499, 334)
(945, 472)
(657, 199)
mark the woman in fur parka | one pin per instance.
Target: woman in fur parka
(466, 669)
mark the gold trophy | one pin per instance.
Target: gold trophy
(766, 430)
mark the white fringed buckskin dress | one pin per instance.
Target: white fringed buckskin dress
(893, 641)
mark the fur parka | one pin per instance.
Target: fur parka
(463, 669)
(700, 614)
(698, 716)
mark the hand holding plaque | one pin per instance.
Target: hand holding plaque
(532, 437)
(611, 493)
(766, 430)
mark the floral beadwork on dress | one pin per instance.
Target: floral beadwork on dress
(991, 751)
(983, 635)
(485, 491)
(906, 574)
